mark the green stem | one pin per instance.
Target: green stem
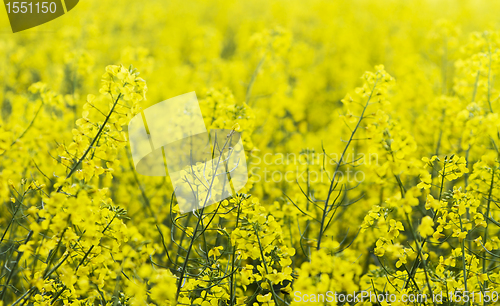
(332, 182)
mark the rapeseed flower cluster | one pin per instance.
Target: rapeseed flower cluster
(376, 122)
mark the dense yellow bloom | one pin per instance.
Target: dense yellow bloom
(425, 227)
(372, 147)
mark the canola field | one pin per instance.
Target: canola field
(370, 129)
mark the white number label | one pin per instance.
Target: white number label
(27, 7)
